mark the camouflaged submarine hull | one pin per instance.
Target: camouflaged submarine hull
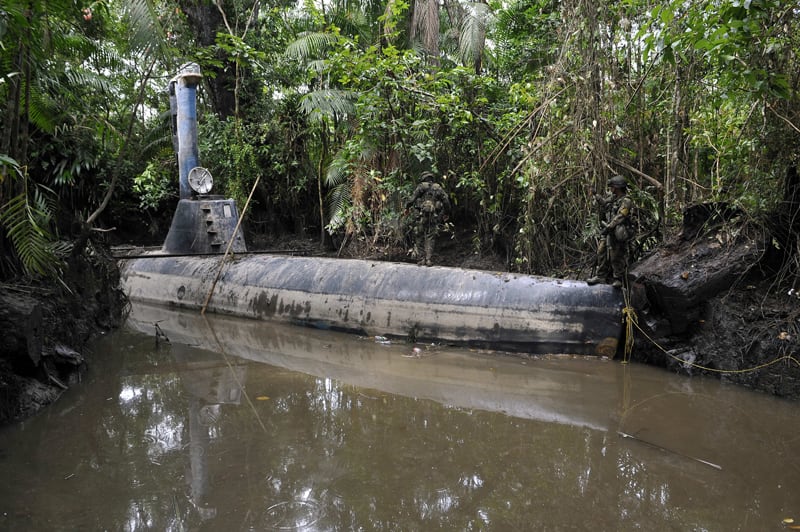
(465, 307)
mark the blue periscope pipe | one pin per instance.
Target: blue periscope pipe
(202, 223)
(184, 87)
(464, 307)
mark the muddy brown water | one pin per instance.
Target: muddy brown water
(240, 425)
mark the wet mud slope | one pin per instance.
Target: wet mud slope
(45, 328)
(718, 301)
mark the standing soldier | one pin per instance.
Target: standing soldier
(428, 205)
(616, 230)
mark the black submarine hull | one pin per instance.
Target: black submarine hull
(503, 311)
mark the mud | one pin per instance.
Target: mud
(88, 303)
(720, 302)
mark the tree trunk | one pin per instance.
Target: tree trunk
(205, 20)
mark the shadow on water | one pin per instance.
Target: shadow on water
(246, 425)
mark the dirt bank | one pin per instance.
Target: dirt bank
(718, 300)
(46, 326)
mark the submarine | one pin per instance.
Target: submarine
(204, 266)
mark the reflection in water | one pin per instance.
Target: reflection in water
(247, 426)
(208, 387)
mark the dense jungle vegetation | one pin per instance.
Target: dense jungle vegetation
(328, 111)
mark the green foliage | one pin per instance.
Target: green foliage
(340, 196)
(332, 103)
(525, 105)
(242, 52)
(413, 119)
(232, 157)
(729, 35)
(155, 185)
(526, 36)
(237, 154)
(26, 219)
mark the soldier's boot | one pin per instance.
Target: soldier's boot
(618, 275)
(602, 276)
(603, 272)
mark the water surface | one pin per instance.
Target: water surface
(243, 425)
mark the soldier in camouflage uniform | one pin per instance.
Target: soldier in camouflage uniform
(428, 206)
(616, 230)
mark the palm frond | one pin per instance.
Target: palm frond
(352, 20)
(25, 218)
(69, 44)
(109, 57)
(337, 172)
(317, 65)
(339, 201)
(88, 79)
(311, 45)
(472, 35)
(340, 196)
(328, 102)
(146, 29)
(31, 240)
(42, 111)
(425, 26)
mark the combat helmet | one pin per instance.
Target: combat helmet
(618, 181)
(426, 176)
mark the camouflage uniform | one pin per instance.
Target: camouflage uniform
(617, 230)
(428, 205)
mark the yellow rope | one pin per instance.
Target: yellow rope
(629, 315)
(631, 321)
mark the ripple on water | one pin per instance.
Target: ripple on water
(196, 448)
(293, 515)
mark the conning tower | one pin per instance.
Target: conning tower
(203, 223)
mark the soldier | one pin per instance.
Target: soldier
(616, 230)
(428, 206)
